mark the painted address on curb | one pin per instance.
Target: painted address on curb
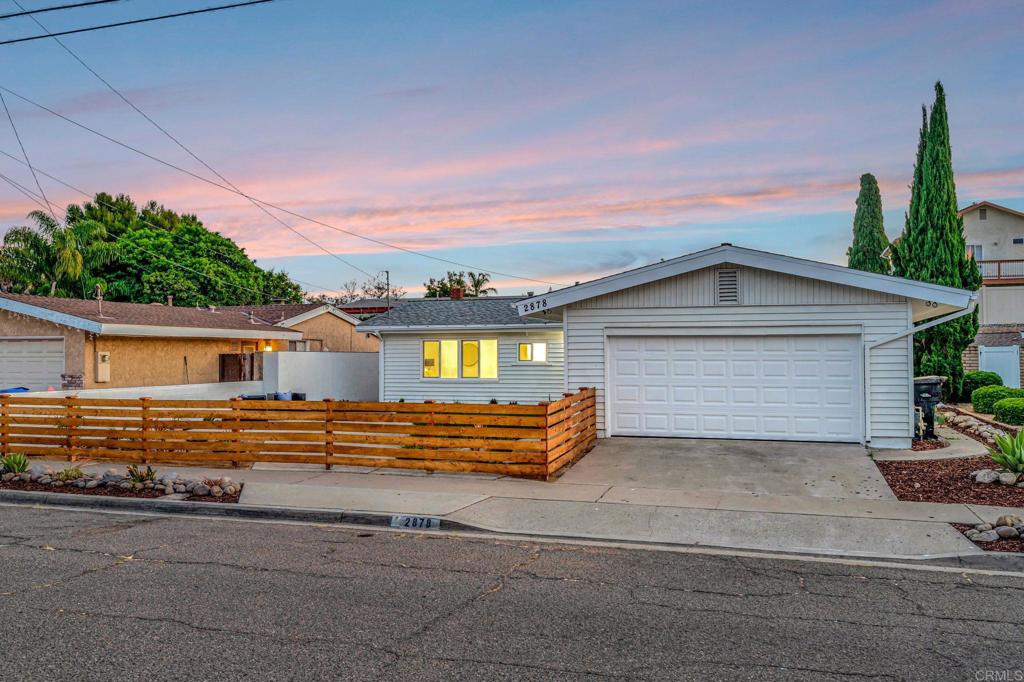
(402, 521)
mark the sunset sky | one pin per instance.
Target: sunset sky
(555, 140)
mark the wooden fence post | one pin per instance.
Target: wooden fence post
(144, 404)
(69, 440)
(5, 414)
(544, 439)
(236, 417)
(328, 433)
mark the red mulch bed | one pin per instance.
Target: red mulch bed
(946, 480)
(922, 445)
(104, 491)
(1010, 545)
(211, 498)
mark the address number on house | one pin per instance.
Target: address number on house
(533, 306)
(402, 521)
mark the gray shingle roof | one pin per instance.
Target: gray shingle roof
(490, 311)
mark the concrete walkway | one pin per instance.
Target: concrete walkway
(849, 526)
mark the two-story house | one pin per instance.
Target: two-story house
(995, 235)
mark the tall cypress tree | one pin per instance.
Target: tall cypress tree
(869, 240)
(909, 238)
(933, 249)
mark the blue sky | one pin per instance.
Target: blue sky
(557, 141)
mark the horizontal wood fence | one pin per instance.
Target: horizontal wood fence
(519, 440)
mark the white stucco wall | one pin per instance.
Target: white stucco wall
(342, 376)
(523, 382)
(1001, 305)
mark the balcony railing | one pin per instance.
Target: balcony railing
(1002, 271)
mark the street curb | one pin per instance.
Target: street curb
(224, 510)
(1004, 561)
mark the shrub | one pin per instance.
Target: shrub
(1009, 451)
(984, 399)
(15, 463)
(70, 474)
(139, 475)
(973, 380)
(1009, 411)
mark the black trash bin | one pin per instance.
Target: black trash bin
(928, 394)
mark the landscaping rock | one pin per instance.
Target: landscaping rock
(983, 527)
(8, 477)
(1009, 520)
(986, 476)
(987, 536)
(92, 484)
(201, 490)
(1008, 478)
(1006, 532)
(217, 491)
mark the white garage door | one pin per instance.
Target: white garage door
(34, 363)
(759, 387)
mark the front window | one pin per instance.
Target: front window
(533, 352)
(976, 251)
(465, 359)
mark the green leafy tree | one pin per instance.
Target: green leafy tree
(869, 240)
(933, 249)
(56, 260)
(443, 287)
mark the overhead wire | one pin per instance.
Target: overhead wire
(24, 153)
(53, 8)
(268, 204)
(133, 22)
(31, 195)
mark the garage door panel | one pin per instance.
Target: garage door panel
(772, 387)
(36, 364)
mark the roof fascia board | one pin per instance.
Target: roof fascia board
(316, 312)
(750, 258)
(196, 332)
(459, 327)
(49, 315)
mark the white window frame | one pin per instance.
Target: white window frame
(458, 362)
(531, 361)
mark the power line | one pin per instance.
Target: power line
(24, 12)
(132, 22)
(31, 195)
(277, 207)
(24, 153)
(188, 150)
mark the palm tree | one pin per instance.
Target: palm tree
(54, 259)
(478, 282)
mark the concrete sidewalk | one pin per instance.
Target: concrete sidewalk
(849, 526)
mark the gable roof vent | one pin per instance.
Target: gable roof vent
(728, 287)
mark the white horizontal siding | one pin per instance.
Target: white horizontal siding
(890, 367)
(756, 287)
(401, 376)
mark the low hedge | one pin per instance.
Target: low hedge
(1009, 411)
(975, 380)
(985, 398)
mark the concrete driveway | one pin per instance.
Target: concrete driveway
(736, 466)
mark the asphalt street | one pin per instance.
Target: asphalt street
(90, 596)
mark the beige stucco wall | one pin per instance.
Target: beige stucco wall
(995, 234)
(335, 334)
(145, 361)
(16, 324)
(1001, 305)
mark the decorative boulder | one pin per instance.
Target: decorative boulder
(986, 476)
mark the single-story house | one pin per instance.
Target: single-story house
(723, 343)
(323, 326)
(65, 343)
(468, 350)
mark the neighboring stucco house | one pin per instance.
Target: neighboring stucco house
(722, 343)
(323, 326)
(995, 235)
(467, 350)
(65, 343)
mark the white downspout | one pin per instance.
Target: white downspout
(868, 347)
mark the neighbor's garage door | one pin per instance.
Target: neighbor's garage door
(761, 387)
(34, 363)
